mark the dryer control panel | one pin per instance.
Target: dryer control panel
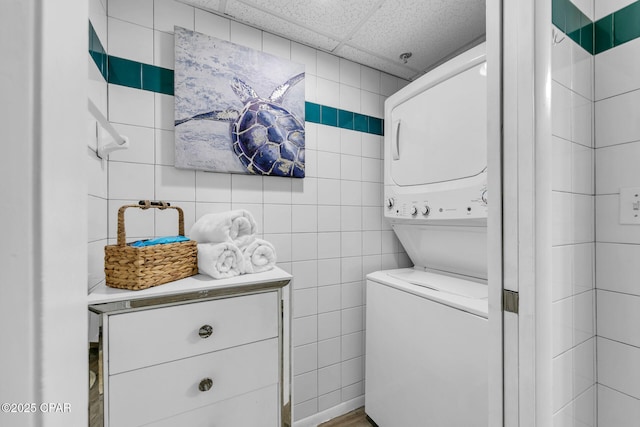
(464, 203)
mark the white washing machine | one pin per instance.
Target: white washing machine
(426, 326)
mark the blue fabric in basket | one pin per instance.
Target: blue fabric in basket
(159, 241)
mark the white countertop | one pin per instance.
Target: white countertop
(103, 294)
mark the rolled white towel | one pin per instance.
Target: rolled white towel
(220, 260)
(237, 227)
(259, 256)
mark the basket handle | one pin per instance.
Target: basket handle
(146, 204)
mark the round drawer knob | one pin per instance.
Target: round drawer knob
(205, 331)
(205, 384)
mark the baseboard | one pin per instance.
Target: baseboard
(330, 413)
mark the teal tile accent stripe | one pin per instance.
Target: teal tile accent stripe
(606, 33)
(603, 34)
(328, 116)
(575, 24)
(626, 24)
(324, 115)
(618, 28)
(157, 79)
(125, 72)
(137, 75)
(133, 74)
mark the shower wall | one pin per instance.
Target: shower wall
(617, 142)
(574, 342)
(596, 73)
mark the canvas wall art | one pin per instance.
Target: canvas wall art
(237, 109)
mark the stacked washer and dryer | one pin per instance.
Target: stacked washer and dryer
(426, 326)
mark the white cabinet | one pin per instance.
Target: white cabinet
(148, 337)
(257, 408)
(215, 354)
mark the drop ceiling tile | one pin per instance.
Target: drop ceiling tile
(417, 26)
(335, 18)
(370, 32)
(276, 25)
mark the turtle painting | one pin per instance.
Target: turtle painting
(237, 109)
(266, 137)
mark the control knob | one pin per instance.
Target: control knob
(390, 202)
(414, 210)
(484, 197)
(425, 210)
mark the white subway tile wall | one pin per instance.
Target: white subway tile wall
(573, 306)
(617, 147)
(617, 409)
(617, 70)
(130, 41)
(139, 12)
(580, 412)
(328, 229)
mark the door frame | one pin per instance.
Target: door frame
(526, 211)
(494, 12)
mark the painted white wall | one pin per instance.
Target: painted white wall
(573, 293)
(43, 256)
(18, 368)
(328, 229)
(617, 142)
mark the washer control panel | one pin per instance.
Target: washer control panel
(465, 203)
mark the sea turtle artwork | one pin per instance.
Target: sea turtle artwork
(237, 109)
(266, 137)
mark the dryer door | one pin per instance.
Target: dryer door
(440, 134)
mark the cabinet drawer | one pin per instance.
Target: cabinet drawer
(258, 408)
(157, 392)
(149, 337)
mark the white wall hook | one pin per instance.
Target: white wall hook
(556, 40)
(107, 138)
(107, 144)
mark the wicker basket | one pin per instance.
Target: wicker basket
(128, 267)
